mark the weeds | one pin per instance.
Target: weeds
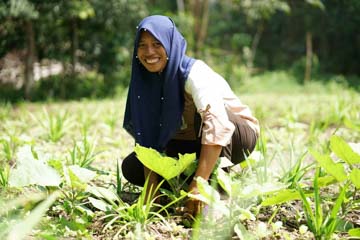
(297, 160)
(55, 125)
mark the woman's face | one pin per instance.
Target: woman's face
(151, 53)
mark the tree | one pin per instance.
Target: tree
(258, 13)
(25, 12)
(200, 12)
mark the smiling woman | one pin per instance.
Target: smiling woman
(151, 53)
(177, 104)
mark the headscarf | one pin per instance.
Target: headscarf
(155, 101)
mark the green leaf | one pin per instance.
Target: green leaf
(281, 197)
(24, 227)
(333, 220)
(343, 150)
(210, 196)
(166, 167)
(78, 177)
(355, 177)
(84, 175)
(101, 192)
(255, 189)
(317, 199)
(335, 169)
(242, 233)
(30, 171)
(99, 204)
(224, 181)
(207, 191)
(326, 181)
(355, 232)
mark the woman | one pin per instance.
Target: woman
(177, 104)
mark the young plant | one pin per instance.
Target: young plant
(8, 150)
(322, 226)
(141, 213)
(83, 153)
(169, 168)
(324, 223)
(4, 175)
(56, 125)
(222, 218)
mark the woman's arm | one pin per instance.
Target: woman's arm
(208, 156)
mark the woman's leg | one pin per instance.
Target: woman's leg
(133, 170)
(242, 143)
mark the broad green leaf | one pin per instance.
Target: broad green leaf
(343, 150)
(242, 233)
(78, 177)
(281, 197)
(99, 204)
(355, 177)
(355, 232)
(326, 181)
(224, 181)
(83, 174)
(101, 192)
(207, 191)
(166, 167)
(210, 196)
(30, 171)
(255, 190)
(334, 169)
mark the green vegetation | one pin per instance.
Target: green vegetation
(83, 49)
(294, 62)
(305, 167)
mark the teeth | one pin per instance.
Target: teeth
(154, 60)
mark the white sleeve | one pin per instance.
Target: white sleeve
(207, 89)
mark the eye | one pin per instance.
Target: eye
(141, 45)
(157, 44)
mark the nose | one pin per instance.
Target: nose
(149, 50)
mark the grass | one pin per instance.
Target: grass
(84, 141)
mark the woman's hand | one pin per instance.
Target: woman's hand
(193, 206)
(208, 156)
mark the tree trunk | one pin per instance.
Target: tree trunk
(200, 11)
(74, 45)
(204, 25)
(309, 53)
(254, 45)
(30, 58)
(180, 5)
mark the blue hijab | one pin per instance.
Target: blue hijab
(155, 101)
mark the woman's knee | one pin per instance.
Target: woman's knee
(133, 170)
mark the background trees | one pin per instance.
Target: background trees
(82, 48)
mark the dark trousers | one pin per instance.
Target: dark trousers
(242, 143)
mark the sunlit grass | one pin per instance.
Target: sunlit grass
(90, 135)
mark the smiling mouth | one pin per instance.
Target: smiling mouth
(152, 60)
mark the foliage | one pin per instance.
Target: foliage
(166, 167)
(297, 144)
(323, 223)
(97, 37)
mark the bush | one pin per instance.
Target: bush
(85, 85)
(8, 93)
